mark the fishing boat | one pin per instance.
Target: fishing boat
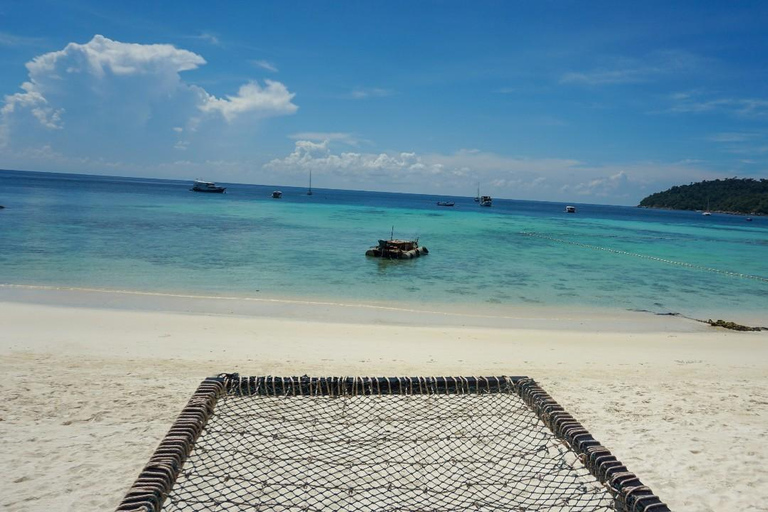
(445, 203)
(207, 186)
(486, 201)
(277, 194)
(570, 209)
(393, 249)
(397, 250)
(309, 192)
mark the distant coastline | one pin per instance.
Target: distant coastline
(735, 196)
(724, 212)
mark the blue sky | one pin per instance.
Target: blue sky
(599, 102)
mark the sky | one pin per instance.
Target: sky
(593, 102)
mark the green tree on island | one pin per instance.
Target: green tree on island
(731, 195)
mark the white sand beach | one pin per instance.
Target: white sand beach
(88, 392)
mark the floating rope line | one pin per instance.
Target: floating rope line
(647, 257)
(415, 444)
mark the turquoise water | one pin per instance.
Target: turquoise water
(157, 236)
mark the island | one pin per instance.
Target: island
(732, 195)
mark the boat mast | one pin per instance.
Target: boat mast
(309, 192)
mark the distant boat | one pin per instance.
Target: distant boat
(570, 209)
(277, 194)
(445, 203)
(707, 212)
(486, 201)
(207, 186)
(749, 219)
(477, 197)
(309, 192)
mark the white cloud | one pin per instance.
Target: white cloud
(343, 137)
(500, 175)
(699, 102)
(609, 186)
(265, 64)
(210, 38)
(35, 103)
(372, 92)
(318, 156)
(272, 100)
(623, 70)
(733, 137)
(101, 55)
(12, 40)
(120, 92)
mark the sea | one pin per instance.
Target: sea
(123, 234)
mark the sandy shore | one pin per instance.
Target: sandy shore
(88, 392)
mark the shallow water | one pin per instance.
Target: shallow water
(156, 235)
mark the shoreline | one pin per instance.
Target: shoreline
(591, 319)
(89, 392)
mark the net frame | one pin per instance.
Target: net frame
(157, 479)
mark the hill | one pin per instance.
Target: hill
(731, 195)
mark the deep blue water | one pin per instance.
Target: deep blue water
(156, 235)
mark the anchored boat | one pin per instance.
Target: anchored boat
(277, 194)
(486, 201)
(207, 186)
(397, 249)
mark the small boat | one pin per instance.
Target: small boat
(207, 186)
(309, 192)
(445, 203)
(749, 219)
(397, 249)
(477, 197)
(570, 209)
(486, 201)
(277, 194)
(706, 212)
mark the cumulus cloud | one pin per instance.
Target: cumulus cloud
(319, 157)
(349, 139)
(101, 55)
(111, 87)
(499, 175)
(603, 186)
(272, 100)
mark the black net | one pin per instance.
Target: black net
(475, 451)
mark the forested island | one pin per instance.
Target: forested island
(731, 195)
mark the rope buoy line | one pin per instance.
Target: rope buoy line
(646, 257)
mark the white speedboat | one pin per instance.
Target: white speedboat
(570, 209)
(207, 186)
(277, 194)
(486, 201)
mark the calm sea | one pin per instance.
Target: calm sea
(155, 235)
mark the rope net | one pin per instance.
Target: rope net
(422, 452)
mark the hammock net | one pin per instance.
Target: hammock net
(357, 444)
